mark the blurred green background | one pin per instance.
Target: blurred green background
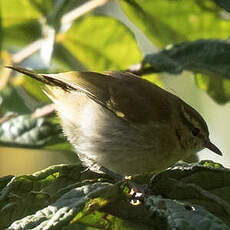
(98, 35)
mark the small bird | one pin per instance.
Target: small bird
(123, 123)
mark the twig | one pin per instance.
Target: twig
(7, 117)
(27, 52)
(43, 111)
(140, 69)
(68, 17)
(17, 58)
(79, 11)
(5, 74)
(35, 46)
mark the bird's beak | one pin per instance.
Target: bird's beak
(213, 148)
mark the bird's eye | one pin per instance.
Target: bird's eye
(195, 132)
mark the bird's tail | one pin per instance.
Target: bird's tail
(48, 79)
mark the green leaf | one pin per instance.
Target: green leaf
(19, 23)
(66, 60)
(32, 87)
(200, 56)
(191, 183)
(15, 11)
(61, 212)
(68, 197)
(26, 131)
(27, 194)
(167, 21)
(217, 88)
(224, 4)
(183, 215)
(42, 6)
(208, 58)
(21, 34)
(101, 43)
(11, 101)
(1, 31)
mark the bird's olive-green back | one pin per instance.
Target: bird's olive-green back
(127, 95)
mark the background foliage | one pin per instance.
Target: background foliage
(169, 36)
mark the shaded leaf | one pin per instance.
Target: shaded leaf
(26, 131)
(21, 34)
(61, 212)
(200, 56)
(26, 194)
(183, 215)
(224, 4)
(191, 182)
(67, 197)
(110, 45)
(208, 57)
(167, 21)
(11, 101)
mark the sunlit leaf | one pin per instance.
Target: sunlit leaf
(66, 60)
(101, 43)
(216, 87)
(15, 11)
(167, 21)
(1, 31)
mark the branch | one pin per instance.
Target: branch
(81, 10)
(27, 52)
(140, 69)
(43, 111)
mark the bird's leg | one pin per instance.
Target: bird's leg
(137, 191)
(117, 177)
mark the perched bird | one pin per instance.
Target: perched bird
(123, 123)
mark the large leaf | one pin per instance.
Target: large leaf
(209, 58)
(15, 11)
(21, 34)
(167, 21)
(223, 3)
(101, 43)
(181, 215)
(11, 101)
(20, 23)
(200, 56)
(26, 131)
(66, 197)
(1, 31)
(192, 183)
(24, 195)
(66, 60)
